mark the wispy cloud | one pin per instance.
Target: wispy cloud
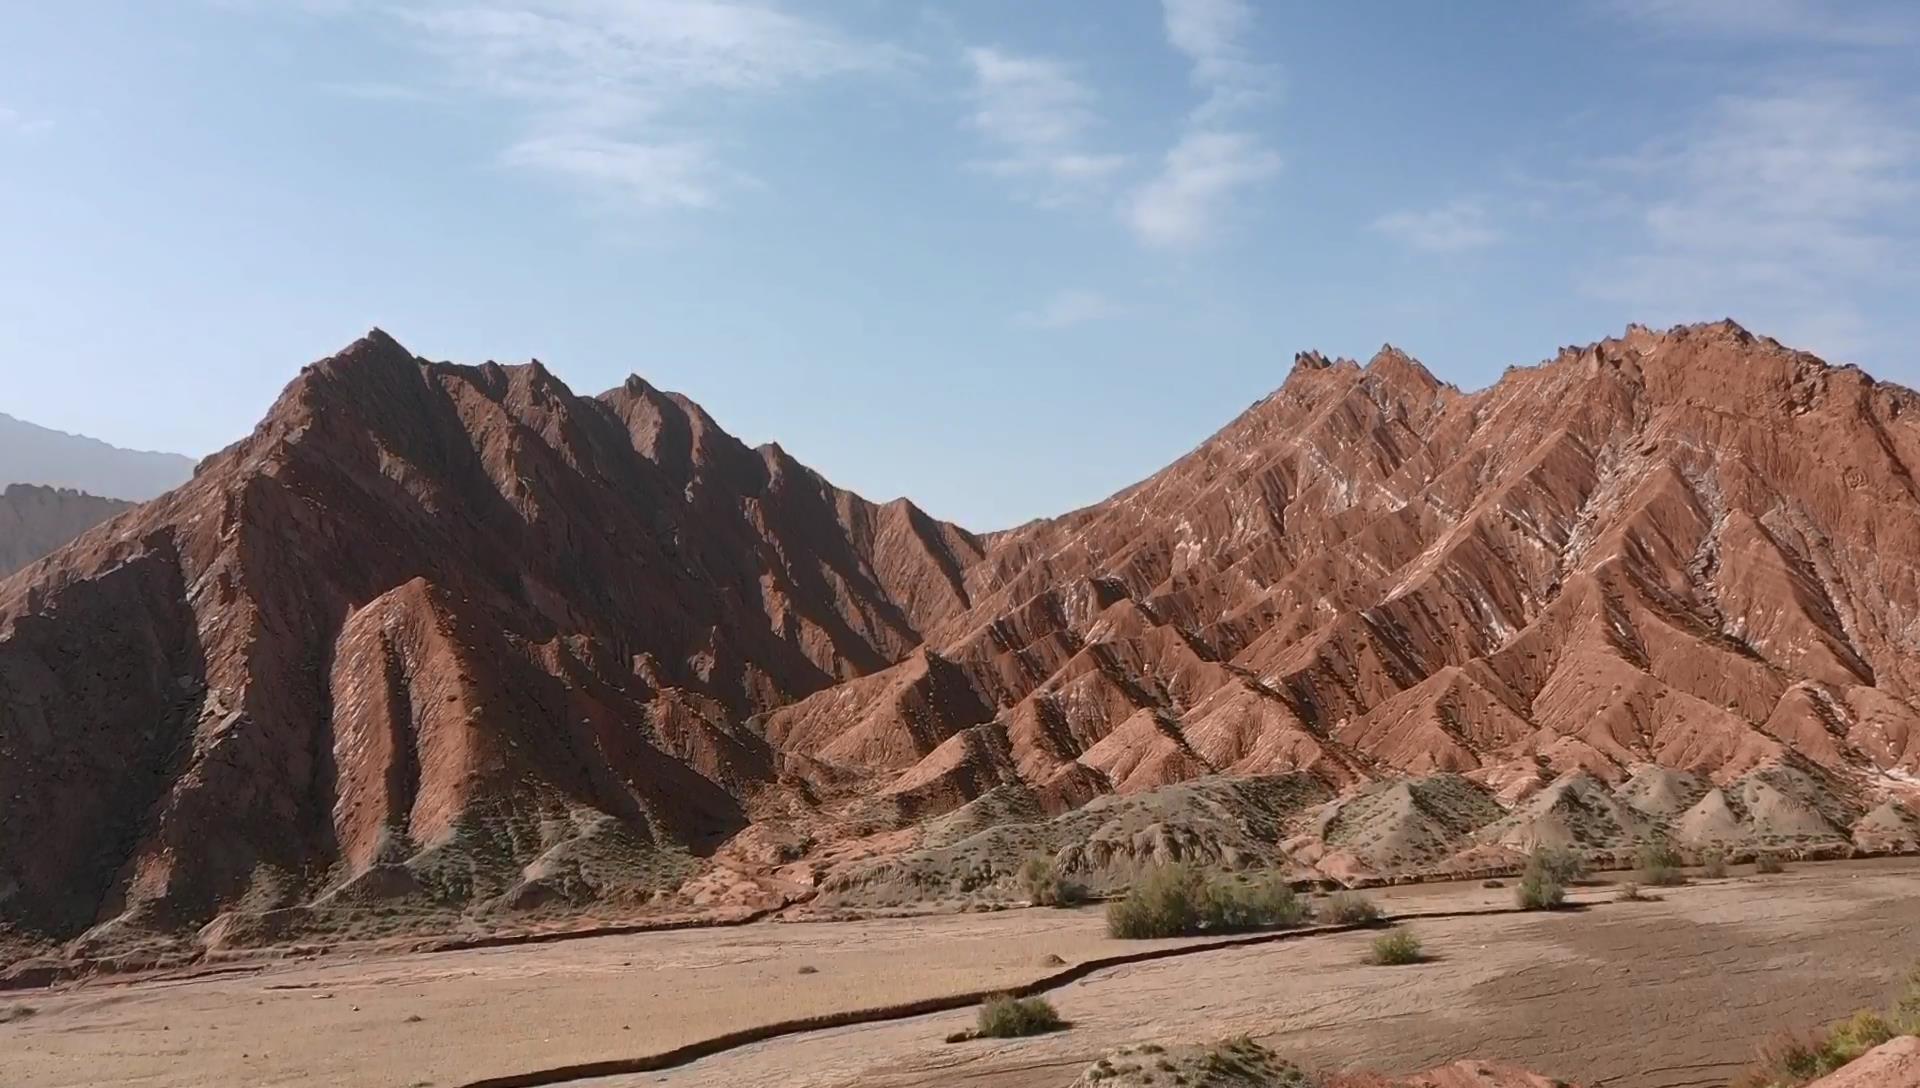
(1450, 228)
(1037, 115)
(1785, 206)
(1184, 205)
(12, 120)
(621, 97)
(1212, 35)
(1070, 308)
(1833, 22)
(1204, 172)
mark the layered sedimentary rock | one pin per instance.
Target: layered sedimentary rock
(458, 633)
(429, 610)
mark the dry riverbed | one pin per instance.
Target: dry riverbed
(1648, 995)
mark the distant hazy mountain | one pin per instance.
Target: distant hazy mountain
(32, 454)
(35, 520)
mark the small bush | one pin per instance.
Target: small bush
(1714, 865)
(1660, 865)
(1539, 891)
(1166, 902)
(1045, 887)
(1265, 903)
(1632, 893)
(1493, 883)
(1396, 947)
(1769, 863)
(1009, 1017)
(1564, 865)
(1351, 909)
(1178, 901)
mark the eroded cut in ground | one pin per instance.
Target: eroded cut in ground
(1651, 995)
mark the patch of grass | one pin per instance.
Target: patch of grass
(1713, 865)
(1351, 909)
(15, 1013)
(1790, 1059)
(1767, 862)
(1395, 948)
(1045, 887)
(1633, 893)
(1660, 865)
(1009, 1017)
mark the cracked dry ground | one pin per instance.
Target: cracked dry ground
(1669, 994)
(1649, 995)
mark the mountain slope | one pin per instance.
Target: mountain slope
(36, 520)
(433, 623)
(458, 636)
(1695, 549)
(31, 454)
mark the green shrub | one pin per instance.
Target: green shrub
(1164, 902)
(1660, 865)
(1539, 891)
(1178, 900)
(1396, 947)
(1009, 1017)
(1714, 865)
(1563, 864)
(1769, 863)
(1632, 893)
(1351, 909)
(1045, 887)
(1266, 903)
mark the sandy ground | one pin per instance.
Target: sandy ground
(1664, 994)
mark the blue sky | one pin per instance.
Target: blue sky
(1003, 257)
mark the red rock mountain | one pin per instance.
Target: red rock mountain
(459, 632)
(35, 520)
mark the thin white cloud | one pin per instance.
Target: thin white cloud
(649, 177)
(1203, 174)
(1212, 35)
(620, 97)
(1782, 208)
(12, 120)
(1070, 308)
(1832, 22)
(1450, 228)
(1037, 115)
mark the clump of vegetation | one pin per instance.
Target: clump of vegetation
(1351, 909)
(1660, 865)
(1769, 863)
(1262, 904)
(1543, 883)
(1179, 900)
(1565, 865)
(1633, 893)
(1790, 1059)
(1396, 947)
(1714, 865)
(1045, 887)
(1009, 1017)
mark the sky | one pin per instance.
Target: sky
(1000, 256)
